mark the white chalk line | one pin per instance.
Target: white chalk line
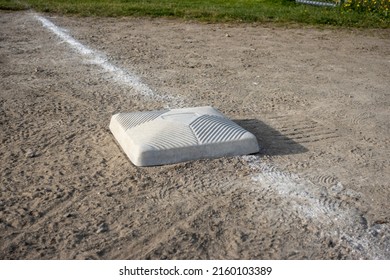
(304, 196)
(122, 76)
(289, 185)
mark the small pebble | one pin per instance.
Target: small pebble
(67, 215)
(30, 153)
(102, 228)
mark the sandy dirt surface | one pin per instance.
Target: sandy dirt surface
(317, 100)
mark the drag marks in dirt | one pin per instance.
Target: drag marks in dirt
(176, 205)
(46, 196)
(302, 129)
(212, 224)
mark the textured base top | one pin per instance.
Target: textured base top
(171, 136)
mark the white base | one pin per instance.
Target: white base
(177, 135)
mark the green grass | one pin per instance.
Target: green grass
(13, 5)
(277, 11)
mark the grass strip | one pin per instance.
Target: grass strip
(277, 11)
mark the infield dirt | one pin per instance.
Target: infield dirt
(316, 99)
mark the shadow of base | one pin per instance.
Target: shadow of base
(271, 141)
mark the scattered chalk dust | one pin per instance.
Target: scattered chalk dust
(317, 100)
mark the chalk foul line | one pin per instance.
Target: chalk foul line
(314, 203)
(121, 76)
